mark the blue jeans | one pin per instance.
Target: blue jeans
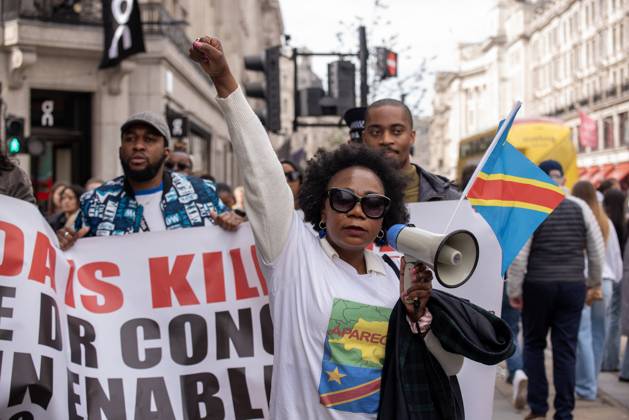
(611, 357)
(512, 317)
(554, 306)
(592, 334)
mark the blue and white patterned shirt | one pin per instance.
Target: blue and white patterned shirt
(112, 208)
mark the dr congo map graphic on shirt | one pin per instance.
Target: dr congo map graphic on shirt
(353, 357)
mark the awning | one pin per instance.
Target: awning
(602, 174)
(620, 172)
(589, 173)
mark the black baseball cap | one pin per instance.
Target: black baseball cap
(355, 120)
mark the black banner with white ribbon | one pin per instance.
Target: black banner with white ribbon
(123, 31)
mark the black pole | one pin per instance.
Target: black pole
(363, 54)
(295, 92)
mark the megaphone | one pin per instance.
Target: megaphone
(452, 257)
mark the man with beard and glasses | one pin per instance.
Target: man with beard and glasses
(147, 197)
(389, 128)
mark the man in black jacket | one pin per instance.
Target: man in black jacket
(389, 127)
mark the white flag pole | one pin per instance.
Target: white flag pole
(490, 149)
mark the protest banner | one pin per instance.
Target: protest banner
(169, 325)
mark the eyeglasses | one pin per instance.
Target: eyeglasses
(291, 176)
(181, 166)
(374, 206)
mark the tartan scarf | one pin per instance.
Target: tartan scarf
(414, 386)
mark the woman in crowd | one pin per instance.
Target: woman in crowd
(330, 296)
(70, 196)
(615, 204)
(14, 182)
(594, 325)
(294, 178)
(53, 206)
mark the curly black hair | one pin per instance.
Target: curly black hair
(325, 164)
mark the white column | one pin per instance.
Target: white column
(109, 112)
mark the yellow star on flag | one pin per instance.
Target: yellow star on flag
(335, 375)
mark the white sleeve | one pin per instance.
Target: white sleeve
(612, 253)
(595, 246)
(268, 196)
(450, 362)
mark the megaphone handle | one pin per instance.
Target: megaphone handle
(408, 275)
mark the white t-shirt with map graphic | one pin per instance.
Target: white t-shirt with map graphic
(329, 332)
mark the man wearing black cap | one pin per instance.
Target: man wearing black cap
(355, 120)
(389, 127)
(147, 197)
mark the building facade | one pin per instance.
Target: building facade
(560, 58)
(49, 57)
(579, 62)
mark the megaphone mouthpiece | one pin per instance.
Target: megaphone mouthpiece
(449, 255)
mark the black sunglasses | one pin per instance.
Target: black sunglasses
(292, 176)
(181, 166)
(374, 206)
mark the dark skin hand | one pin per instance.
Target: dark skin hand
(420, 290)
(208, 52)
(228, 220)
(67, 237)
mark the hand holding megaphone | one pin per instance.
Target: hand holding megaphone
(453, 257)
(415, 295)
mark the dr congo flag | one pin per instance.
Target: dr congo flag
(123, 31)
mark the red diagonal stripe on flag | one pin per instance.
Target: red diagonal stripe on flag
(499, 189)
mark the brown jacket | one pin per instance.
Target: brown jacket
(16, 183)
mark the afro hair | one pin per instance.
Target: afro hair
(325, 164)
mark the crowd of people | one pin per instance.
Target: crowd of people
(568, 279)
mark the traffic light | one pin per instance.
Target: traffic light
(269, 91)
(386, 63)
(14, 130)
(342, 84)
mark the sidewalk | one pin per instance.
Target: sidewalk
(613, 401)
(604, 408)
